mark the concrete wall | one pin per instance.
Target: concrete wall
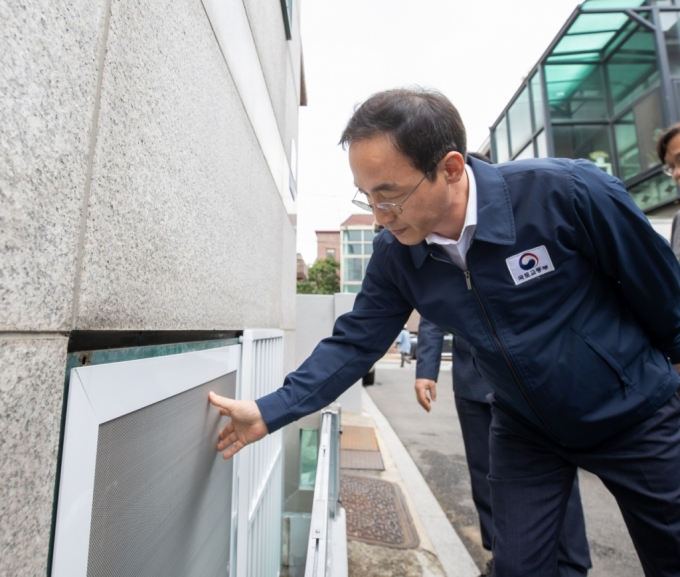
(145, 154)
(315, 316)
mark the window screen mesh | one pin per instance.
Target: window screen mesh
(162, 493)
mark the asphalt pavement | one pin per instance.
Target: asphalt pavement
(435, 443)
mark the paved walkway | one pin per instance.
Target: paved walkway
(441, 553)
(435, 444)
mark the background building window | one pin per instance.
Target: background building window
(501, 141)
(357, 248)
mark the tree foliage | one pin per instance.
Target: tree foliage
(323, 278)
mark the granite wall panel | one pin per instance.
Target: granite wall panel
(48, 78)
(31, 394)
(185, 221)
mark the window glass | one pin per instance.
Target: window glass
(351, 288)
(330, 253)
(627, 147)
(287, 8)
(593, 4)
(632, 68)
(649, 126)
(541, 146)
(636, 136)
(528, 152)
(583, 141)
(501, 141)
(368, 248)
(353, 269)
(369, 235)
(309, 447)
(354, 248)
(670, 23)
(520, 121)
(537, 97)
(352, 235)
(576, 91)
(657, 190)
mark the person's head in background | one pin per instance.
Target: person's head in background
(668, 149)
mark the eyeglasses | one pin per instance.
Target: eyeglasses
(387, 206)
(669, 169)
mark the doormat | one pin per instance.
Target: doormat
(377, 513)
(359, 449)
(370, 460)
(358, 438)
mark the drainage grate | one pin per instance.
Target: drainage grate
(377, 513)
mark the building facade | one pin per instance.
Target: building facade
(328, 244)
(604, 90)
(357, 234)
(147, 173)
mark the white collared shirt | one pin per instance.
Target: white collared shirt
(457, 249)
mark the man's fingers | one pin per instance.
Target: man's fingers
(422, 399)
(231, 451)
(426, 389)
(230, 439)
(227, 430)
(223, 403)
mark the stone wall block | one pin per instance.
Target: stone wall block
(31, 394)
(48, 78)
(185, 220)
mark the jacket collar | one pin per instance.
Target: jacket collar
(495, 221)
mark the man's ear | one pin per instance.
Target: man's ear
(454, 166)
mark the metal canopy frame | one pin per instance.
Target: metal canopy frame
(638, 13)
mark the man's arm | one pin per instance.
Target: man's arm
(430, 338)
(360, 338)
(612, 232)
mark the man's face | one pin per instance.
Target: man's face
(384, 174)
(673, 157)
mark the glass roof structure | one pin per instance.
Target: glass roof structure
(605, 88)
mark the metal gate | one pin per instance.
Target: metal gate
(258, 468)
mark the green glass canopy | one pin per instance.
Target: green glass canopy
(622, 4)
(587, 43)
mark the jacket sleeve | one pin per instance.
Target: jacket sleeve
(430, 338)
(614, 234)
(360, 338)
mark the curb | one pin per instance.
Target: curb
(452, 554)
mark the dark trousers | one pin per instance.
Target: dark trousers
(531, 476)
(573, 556)
(404, 358)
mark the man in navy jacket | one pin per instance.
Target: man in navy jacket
(567, 296)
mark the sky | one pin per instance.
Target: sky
(476, 52)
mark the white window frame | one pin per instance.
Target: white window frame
(101, 393)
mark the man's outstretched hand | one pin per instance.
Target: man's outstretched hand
(246, 425)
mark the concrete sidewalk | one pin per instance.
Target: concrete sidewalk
(441, 552)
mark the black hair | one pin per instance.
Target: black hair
(424, 124)
(664, 139)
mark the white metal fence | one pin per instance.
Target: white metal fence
(258, 468)
(327, 547)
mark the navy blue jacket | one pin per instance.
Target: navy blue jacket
(467, 382)
(581, 352)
